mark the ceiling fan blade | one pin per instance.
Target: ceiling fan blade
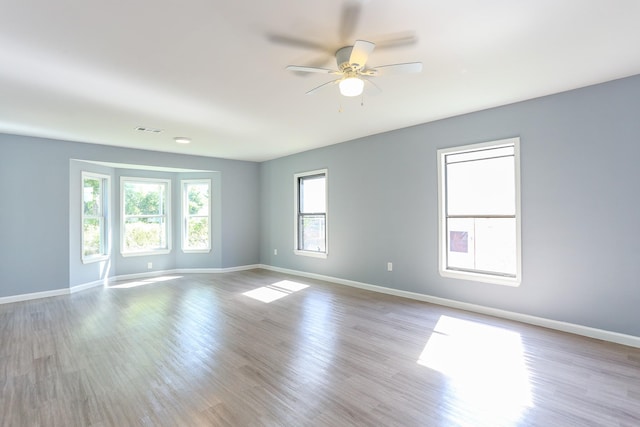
(311, 69)
(322, 86)
(296, 42)
(371, 88)
(360, 53)
(351, 11)
(389, 41)
(387, 70)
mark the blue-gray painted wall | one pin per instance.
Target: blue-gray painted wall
(580, 212)
(580, 207)
(40, 212)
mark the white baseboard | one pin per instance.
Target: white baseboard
(629, 340)
(85, 286)
(106, 281)
(217, 270)
(34, 295)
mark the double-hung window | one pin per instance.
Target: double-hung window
(311, 213)
(479, 204)
(196, 219)
(145, 204)
(95, 196)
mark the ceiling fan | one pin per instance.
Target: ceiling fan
(353, 71)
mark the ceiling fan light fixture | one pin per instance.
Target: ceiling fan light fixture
(351, 86)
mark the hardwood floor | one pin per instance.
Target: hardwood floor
(205, 349)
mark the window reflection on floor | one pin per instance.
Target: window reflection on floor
(143, 282)
(487, 376)
(275, 291)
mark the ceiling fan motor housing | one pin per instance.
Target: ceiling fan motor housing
(342, 58)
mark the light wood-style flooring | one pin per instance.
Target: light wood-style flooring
(258, 348)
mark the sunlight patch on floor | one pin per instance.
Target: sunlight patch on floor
(275, 291)
(485, 367)
(144, 282)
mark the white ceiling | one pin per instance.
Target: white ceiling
(213, 70)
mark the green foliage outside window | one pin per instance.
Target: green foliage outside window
(93, 216)
(197, 216)
(145, 216)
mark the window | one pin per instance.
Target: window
(311, 213)
(196, 208)
(145, 216)
(95, 189)
(479, 204)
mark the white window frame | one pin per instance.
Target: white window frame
(166, 215)
(185, 215)
(296, 219)
(442, 216)
(105, 188)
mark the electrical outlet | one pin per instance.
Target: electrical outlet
(389, 266)
(149, 265)
(275, 252)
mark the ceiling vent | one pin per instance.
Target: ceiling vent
(151, 130)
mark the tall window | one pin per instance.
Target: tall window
(196, 209)
(479, 198)
(95, 189)
(145, 216)
(311, 213)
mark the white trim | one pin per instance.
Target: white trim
(310, 253)
(217, 270)
(34, 295)
(89, 285)
(107, 281)
(184, 215)
(105, 195)
(296, 204)
(139, 275)
(167, 214)
(572, 328)
(442, 238)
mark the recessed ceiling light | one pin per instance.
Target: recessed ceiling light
(182, 140)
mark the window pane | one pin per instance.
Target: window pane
(481, 187)
(144, 233)
(198, 233)
(144, 198)
(483, 244)
(312, 233)
(92, 236)
(198, 199)
(496, 245)
(312, 194)
(92, 196)
(483, 153)
(461, 243)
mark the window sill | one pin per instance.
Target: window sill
(196, 251)
(97, 258)
(146, 253)
(310, 254)
(478, 277)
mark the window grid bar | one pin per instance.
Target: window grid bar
(453, 162)
(481, 216)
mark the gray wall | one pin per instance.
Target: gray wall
(580, 218)
(580, 210)
(40, 212)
